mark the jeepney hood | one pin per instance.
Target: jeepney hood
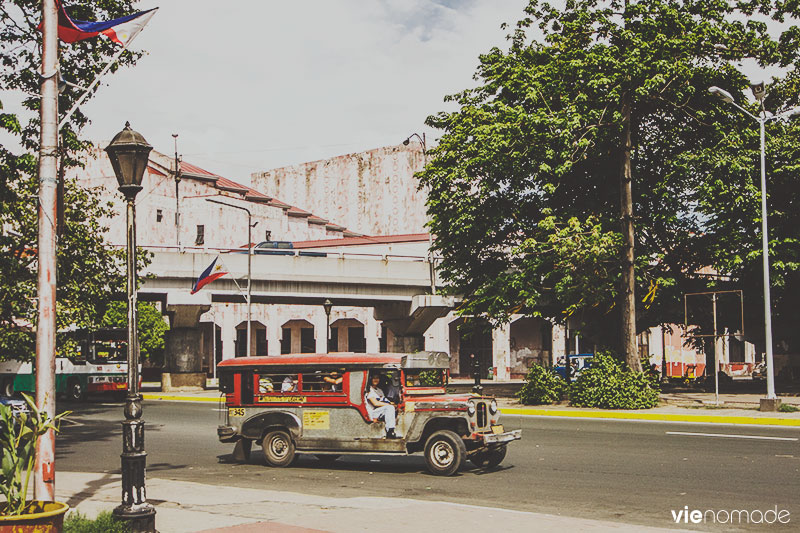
(439, 398)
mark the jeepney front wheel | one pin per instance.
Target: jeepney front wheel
(489, 458)
(444, 453)
(278, 448)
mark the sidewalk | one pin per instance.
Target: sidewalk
(187, 507)
(699, 407)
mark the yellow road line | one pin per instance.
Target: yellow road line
(150, 396)
(664, 417)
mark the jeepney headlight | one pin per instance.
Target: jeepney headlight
(493, 407)
(471, 408)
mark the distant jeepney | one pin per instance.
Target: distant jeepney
(317, 404)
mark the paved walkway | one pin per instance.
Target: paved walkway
(186, 507)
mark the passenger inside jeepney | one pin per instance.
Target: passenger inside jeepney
(334, 380)
(379, 407)
(390, 384)
(288, 384)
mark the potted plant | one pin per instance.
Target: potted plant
(19, 436)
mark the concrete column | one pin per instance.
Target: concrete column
(437, 338)
(406, 343)
(501, 352)
(183, 344)
(559, 342)
(321, 331)
(372, 330)
(274, 332)
(228, 333)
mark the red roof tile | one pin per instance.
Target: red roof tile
(364, 239)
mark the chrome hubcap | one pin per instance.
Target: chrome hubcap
(442, 453)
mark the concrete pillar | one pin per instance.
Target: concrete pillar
(406, 343)
(559, 342)
(321, 331)
(274, 333)
(372, 330)
(183, 354)
(501, 352)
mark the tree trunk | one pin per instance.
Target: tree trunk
(628, 281)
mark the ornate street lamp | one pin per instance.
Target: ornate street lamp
(129, 154)
(327, 305)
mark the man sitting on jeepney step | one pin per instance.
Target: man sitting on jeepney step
(379, 406)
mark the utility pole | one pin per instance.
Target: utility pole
(177, 194)
(628, 280)
(44, 471)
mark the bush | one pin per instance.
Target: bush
(788, 408)
(609, 384)
(542, 386)
(104, 523)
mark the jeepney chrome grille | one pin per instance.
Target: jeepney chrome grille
(481, 413)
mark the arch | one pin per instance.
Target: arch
(258, 342)
(470, 335)
(298, 336)
(348, 335)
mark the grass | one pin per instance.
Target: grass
(788, 408)
(104, 523)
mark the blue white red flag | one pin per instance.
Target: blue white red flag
(211, 273)
(121, 30)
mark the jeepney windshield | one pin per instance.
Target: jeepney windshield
(433, 377)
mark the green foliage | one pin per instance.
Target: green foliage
(104, 523)
(19, 437)
(788, 408)
(525, 181)
(88, 273)
(151, 325)
(542, 386)
(609, 384)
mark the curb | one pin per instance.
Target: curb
(168, 397)
(658, 417)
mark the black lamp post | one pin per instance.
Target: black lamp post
(129, 154)
(327, 305)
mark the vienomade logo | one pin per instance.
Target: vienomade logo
(734, 516)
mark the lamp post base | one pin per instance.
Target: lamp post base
(770, 404)
(140, 518)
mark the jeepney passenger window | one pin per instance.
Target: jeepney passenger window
(329, 380)
(247, 386)
(269, 383)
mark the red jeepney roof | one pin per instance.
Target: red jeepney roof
(342, 358)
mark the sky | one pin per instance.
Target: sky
(252, 85)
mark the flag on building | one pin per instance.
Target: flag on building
(211, 273)
(120, 30)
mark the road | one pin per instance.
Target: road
(632, 472)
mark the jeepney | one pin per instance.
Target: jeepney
(316, 404)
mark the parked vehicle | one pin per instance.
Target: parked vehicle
(577, 362)
(17, 406)
(316, 404)
(99, 365)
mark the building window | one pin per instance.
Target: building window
(159, 215)
(201, 235)
(268, 235)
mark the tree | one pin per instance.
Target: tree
(525, 182)
(88, 273)
(150, 321)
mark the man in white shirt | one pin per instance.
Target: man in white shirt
(378, 405)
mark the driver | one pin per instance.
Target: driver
(379, 406)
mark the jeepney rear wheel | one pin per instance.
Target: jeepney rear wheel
(489, 458)
(444, 453)
(278, 448)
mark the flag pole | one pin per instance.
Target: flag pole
(44, 470)
(96, 80)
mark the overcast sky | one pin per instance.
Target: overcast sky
(251, 85)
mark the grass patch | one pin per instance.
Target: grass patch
(788, 408)
(104, 523)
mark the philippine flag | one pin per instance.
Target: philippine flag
(121, 30)
(209, 274)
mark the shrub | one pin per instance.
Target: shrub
(104, 523)
(609, 384)
(542, 386)
(788, 408)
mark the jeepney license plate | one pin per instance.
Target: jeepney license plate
(236, 411)
(497, 429)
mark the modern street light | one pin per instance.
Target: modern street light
(249, 264)
(129, 154)
(759, 93)
(327, 305)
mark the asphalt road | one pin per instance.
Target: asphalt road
(632, 472)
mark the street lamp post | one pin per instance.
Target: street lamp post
(129, 152)
(249, 265)
(431, 262)
(759, 93)
(327, 305)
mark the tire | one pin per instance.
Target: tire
(444, 453)
(489, 458)
(8, 387)
(75, 390)
(327, 459)
(278, 448)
